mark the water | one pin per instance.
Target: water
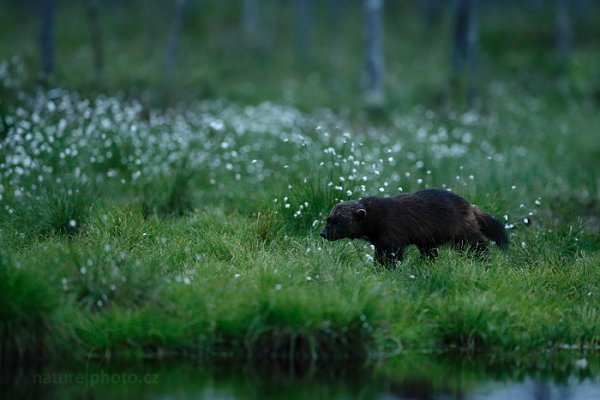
(567, 378)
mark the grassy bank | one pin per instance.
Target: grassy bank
(208, 284)
(130, 234)
(183, 219)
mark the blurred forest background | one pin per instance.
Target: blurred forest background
(333, 53)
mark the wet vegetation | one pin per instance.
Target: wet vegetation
(404, 377)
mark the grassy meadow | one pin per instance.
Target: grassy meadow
(130, 230)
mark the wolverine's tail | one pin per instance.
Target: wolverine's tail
(492, 228)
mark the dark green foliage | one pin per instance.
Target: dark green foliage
(26, 307)
(307, 205)
(473, 324)
(170, 196)
(59, 207)
(100, 278)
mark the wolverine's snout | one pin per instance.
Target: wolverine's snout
(324, 234)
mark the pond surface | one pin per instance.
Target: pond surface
(570, 377)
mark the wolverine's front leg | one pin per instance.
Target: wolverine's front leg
(382, 258)
(428, 253)
(387, 257)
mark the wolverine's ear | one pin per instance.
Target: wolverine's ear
(361, 213)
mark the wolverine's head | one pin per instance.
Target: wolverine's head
(346, 220)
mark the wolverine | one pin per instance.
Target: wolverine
(427, 218)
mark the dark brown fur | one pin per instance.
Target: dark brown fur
(427, 218)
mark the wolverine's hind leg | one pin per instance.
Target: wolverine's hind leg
(473, 242)
(480, 249)
(428, 252)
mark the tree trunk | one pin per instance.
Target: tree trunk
(171, 51)
(336, 11)
(564, 37)
(464, 49)
(303, 28)
(250, 17)
(374, 69)
(47, 38)
(96, 37)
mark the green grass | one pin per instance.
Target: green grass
(208, 284)
(129, 231)
(27, 305)
(221, 257)
(56, 207)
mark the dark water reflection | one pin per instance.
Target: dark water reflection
(399, 378)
